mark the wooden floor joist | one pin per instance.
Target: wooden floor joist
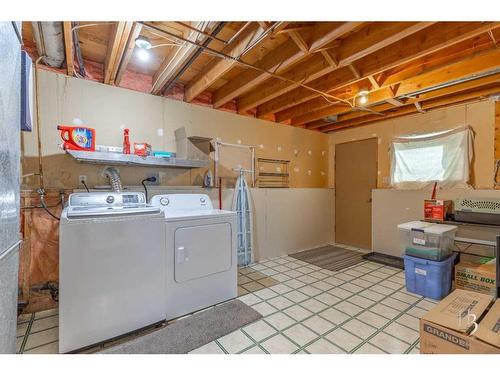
(430, 40)
(306, 74)
(116, 49)
(68, 47)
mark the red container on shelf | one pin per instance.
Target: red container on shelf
(142, 149)
(77, 138)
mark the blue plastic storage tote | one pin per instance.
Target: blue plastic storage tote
(427, 277)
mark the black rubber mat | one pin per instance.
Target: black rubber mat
(387, 260)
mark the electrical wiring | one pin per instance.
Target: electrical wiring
(238, 61)
(91, 25)
(86, 187)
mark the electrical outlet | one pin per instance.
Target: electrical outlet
(82, 178)
(153, 174)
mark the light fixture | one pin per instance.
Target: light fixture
(143, 54)
(363, 96)
(142, 42)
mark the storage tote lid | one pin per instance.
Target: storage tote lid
(432, 228)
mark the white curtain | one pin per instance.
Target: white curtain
(418, 161)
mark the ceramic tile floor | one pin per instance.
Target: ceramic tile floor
(361, 309)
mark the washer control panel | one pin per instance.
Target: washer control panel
(183, 202)
(96, 199)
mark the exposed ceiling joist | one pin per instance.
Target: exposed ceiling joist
(299, 41)
(68, 47)
(171, 65)
(430, 40)
(419, 108)
(457, 70)
(116, 49)
(475, 84)
(278, 60)
(220, 67)
(330, 59)
(374, 82)
(354, 71)
(306, 71)
(375, 37)
(409, 109)
(129, 49)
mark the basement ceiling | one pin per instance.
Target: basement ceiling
(305, 74)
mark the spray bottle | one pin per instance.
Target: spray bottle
(126, 141)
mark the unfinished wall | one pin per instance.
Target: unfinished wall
(153, 119)
(479, 115)
(286, 220)
(391, 207)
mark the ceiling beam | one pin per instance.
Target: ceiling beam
(299, 41)
(425, 42)
(222, 66)
(278, 60)
(116, 48)
(460, 69)
(330, 59)
(171, 65)
(374, 82)
(68, 47)
(305, 71)
(129, 49)
(375, 37)
(446, 91)
(409, 109)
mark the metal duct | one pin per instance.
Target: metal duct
(49, 42)
(114, 178)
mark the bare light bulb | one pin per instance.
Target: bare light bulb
(363, 99)
(143, 54)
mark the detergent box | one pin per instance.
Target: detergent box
(77, 138)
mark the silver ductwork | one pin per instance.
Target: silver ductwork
(114, 178)
(49, 42)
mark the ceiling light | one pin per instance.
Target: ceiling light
(142, 42)
(363, 96)
(143, 54)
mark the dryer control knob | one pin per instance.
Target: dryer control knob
(202, 200)
(110, 199)
(164, 201)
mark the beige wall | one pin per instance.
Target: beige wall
(391, 207)
(479, 115)
(108, 109)
(285, 220)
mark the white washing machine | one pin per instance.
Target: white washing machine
(111, 267)
(200, 244)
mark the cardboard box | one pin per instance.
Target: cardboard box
(489, 328)
(445, 329)
(437, 209)
(471, 273)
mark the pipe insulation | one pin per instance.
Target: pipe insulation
(49, 42)
(114, 178)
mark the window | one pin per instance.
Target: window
(419, 161)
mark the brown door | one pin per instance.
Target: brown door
(355, 177)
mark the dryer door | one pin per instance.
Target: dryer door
(202, 250)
